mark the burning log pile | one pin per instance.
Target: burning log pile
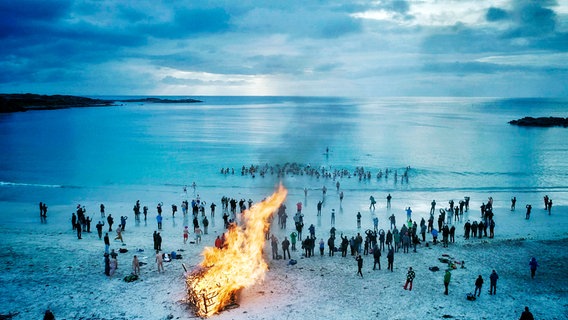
(213, 285)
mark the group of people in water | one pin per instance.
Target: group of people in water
(298, 169)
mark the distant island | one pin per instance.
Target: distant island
(541, 122)
(23, 102)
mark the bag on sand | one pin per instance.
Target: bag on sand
(470, 296)
(292, 262)
(130, 278)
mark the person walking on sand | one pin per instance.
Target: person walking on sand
(185, 234)
(159, 261)
(373, 201)
(135, 265)
(359, 260)
(409, 279)
(526, 315)
(533, 265)
(493, 282)
(447, 278)
(119, 234)
(478, 285)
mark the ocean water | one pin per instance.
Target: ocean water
(453, 146)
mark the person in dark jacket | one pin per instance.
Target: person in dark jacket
(478, 285)
(533, 265)
(493, 282)
(359, 264)
(48, 315)
(377, 257)
(409, 278)
(390, 259)
(526, 315)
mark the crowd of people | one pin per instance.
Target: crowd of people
(299, 169)
(373, 241)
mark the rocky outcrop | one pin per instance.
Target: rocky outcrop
(158, 100)
(28, 101)
(541, 122)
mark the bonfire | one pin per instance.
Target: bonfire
(212, 286)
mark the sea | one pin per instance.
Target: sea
(449, 147)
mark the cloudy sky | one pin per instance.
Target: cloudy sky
(505, 48)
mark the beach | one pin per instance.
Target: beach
(46, 266)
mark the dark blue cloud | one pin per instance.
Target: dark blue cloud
(496, 14)
(26, 17)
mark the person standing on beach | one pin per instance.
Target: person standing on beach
(359, 220)
(159, 261)
(373, 201)
(107, 242)
(293, 237)
(376, 257)
(409, 279)
(433, 207)
(546, 202)
(526, 315)
(447, 278)
(319, 207)
(408, 214)
(102, 211)
(99, 227)
(159, 241)
(159, 221)
(113, 265)
(389, 197)
(48, 315)
(549, 205)
(390, 259)
(135, 265)
(73, 220)
(332, 217)
(513, 203)
(478, 285)
(286, 248)
(79, 230)
(107, 265)
(493, 282)
(359, 260)
(528, 214)
(533, 265)
(110, 221)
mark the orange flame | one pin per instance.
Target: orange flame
(239, 264)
